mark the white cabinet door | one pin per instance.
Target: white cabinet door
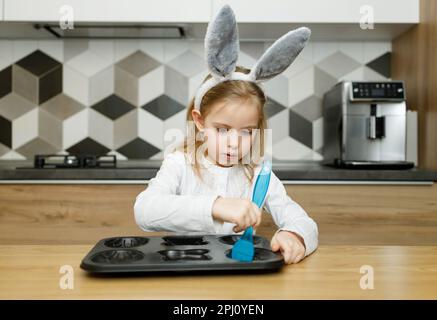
(1, 10)
(109, 10)
(322, 11)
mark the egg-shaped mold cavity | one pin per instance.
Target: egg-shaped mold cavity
(126, 242)
(117, 256)
(231, 239)
(190, 254)
(184, 241)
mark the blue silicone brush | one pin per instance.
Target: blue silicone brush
(243, 249)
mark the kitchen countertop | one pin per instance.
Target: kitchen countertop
(143, 170)
(332, 272)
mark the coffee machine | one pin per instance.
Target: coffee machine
(365, 125)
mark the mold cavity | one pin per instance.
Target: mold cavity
(126, 242)
(184, 241)
(117, 256)
(190, 254)
(231, 239)
(260, 254)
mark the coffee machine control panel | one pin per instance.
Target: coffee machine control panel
(382, 91)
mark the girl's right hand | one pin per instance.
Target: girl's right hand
(242, 212)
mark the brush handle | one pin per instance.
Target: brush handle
(260, 191)
(262, 184)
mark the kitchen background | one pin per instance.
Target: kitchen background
(120, 96)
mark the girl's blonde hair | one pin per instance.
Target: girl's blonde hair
(226, 91)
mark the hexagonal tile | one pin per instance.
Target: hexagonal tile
(36, 146)
(278, 88)
(138, 64)
(324, 49)
(301, 86)
(312, 81)
(74, 47)
(373, 49)
(53, 48)
(54, 118)
(138, 149)
(290, 149)
(154, 48)
(272, 107)
(163, 107)
(37, 77)
(88, 146)
(12, 155)
(183, 76)
(364, 73)
(139, 78)
(125, 47)
(155, 127)
(303, 118)
(6, 53)
(5, 81)
(352, 49)
(62, 106)
(88, 78)
(381, 64)
(113, 107)
(113, 122)
(22, 48)
(75, 128)
(3, 149)
(5, 132)
(277, 119)
(23, 116)
(338, 64)
(322, 82)
(255, 49)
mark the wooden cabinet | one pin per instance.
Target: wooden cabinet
(345, 214)
(414, 61)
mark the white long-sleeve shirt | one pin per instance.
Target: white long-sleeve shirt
(176, 200)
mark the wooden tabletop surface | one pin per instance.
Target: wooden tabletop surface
(332, 272)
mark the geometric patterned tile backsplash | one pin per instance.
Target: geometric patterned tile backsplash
(120, 96)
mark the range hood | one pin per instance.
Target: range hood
(110, 31)
(194, 31)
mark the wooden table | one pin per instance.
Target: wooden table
(332, 272)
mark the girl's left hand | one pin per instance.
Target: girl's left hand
(291, 245)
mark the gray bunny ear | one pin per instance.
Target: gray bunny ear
(281, 54)
(221, 43)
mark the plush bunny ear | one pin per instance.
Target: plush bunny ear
(281, 54)
(221, 43)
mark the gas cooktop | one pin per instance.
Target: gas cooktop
(51, 161)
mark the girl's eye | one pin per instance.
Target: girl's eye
(222, 131)
(246, 132)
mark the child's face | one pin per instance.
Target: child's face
(228, 131)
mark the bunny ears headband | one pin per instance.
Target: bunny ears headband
(222, 46)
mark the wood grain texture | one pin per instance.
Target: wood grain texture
(371, 215)
(351, 215)
(414, 60)
(332, 272)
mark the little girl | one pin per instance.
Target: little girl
(205, 185)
